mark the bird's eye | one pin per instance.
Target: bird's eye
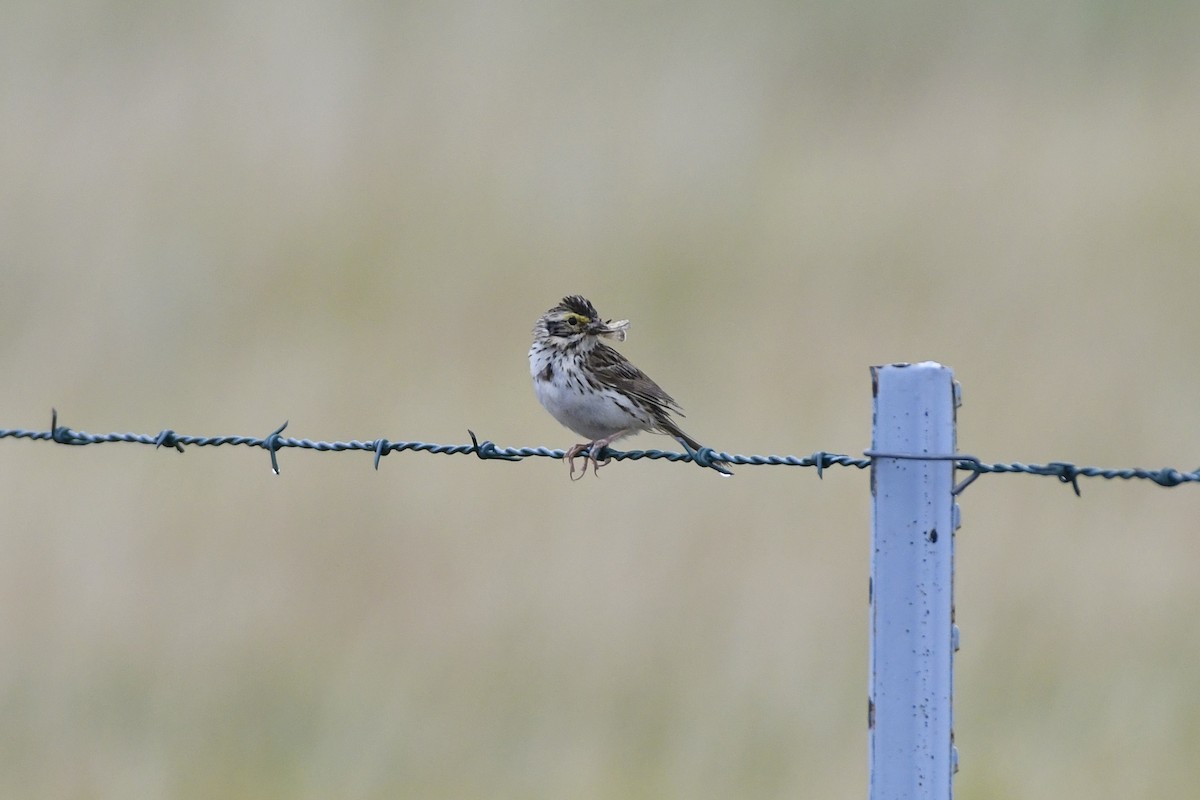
(573, 321)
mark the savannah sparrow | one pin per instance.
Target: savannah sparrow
(591, 388)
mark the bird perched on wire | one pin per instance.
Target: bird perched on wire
(592, 389)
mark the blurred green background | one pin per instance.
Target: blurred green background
(217, 216)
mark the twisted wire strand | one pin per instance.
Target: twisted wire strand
(1064, 471)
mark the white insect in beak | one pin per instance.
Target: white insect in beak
(614, 330)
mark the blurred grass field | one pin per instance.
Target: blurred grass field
(217, 216)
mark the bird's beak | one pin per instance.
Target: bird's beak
(611, 330)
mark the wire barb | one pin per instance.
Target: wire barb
(818, 460)
(487, 449)
(272, 445)
(168, 438)
(61, 434)
(381, 450)
(1067, 473)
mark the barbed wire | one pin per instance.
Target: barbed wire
(273, 442)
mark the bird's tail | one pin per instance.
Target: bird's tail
(692, 446)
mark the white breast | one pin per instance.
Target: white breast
(596, 415)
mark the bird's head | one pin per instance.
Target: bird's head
(575, 322)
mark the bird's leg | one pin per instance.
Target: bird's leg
(597, 448)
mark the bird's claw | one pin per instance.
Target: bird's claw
(589, 457)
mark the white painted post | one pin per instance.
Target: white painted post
(913, 637)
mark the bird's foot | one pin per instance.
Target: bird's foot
(573, 454)
(592, 456)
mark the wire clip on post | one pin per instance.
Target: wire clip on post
(957, 458)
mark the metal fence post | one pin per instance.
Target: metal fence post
(910, 716)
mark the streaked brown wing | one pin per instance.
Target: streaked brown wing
(616, 372)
